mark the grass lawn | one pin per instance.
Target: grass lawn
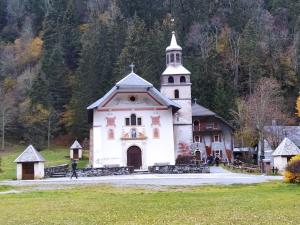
(54, 156)
(268, 203)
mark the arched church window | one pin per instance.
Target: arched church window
(176, 93)
(172, 58)
(170, 79)
(168, 59)
(133, 119)
(182, 79)
(177, 57)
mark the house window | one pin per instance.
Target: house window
(172, 58)
(216, 125)
(217, 138)
(176, 93)
(177, 58)
(182, 79)
(196, 125)
(218, 153)
(198, 138)
(209, 125)
(133, 120)
(170, 79)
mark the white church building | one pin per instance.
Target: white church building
(136, 125)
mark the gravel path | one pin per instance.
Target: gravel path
(218, 176)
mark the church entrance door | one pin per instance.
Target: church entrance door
(134, 157)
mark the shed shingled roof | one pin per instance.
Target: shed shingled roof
(30, 154)
(286, 148)
(76, 145)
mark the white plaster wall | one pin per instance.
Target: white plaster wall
(39, 171)
(19, 171)
(71, 153)
(114, 152)
(280, 163)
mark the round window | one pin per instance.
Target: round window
(132, 98)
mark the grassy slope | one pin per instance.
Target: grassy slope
(53, 156)
(269, 203)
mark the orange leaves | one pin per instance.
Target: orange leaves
(292, 171)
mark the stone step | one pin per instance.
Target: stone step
(58, 174)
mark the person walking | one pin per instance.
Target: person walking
(217, 160)
(74, 167)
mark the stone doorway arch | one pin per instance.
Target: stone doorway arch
(134, 157)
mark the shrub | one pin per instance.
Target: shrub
(292, 170)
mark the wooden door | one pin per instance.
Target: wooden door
(134, 157)
(198, 155)
(75, 154)
(27, 171)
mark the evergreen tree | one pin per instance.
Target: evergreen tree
(70, 36)
(3, 13)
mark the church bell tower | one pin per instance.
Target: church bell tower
(176, 85)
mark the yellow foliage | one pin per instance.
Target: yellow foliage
(298, 106)
(28, 52)
(292, 172)
(39, 114)
(223, 40)
(84, 27)
(34, 49)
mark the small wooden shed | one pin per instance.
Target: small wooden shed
(30, 164)
(76, 151)
(283, 153)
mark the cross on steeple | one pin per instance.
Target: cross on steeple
(172, 23)
(131, 66)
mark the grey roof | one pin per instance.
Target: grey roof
(133, 82)
(199, 110)
(76, 145)
(291, 132)
(286, 148)
(30, 154)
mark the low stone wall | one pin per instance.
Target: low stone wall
(105, 171)
(60, 169)
(177, 169)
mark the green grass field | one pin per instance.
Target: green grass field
(53, 156)
(268, 203)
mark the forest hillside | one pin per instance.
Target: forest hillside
(58, 56)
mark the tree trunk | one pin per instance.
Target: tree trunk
(3, 129)
(262, 151)
(49, 132)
